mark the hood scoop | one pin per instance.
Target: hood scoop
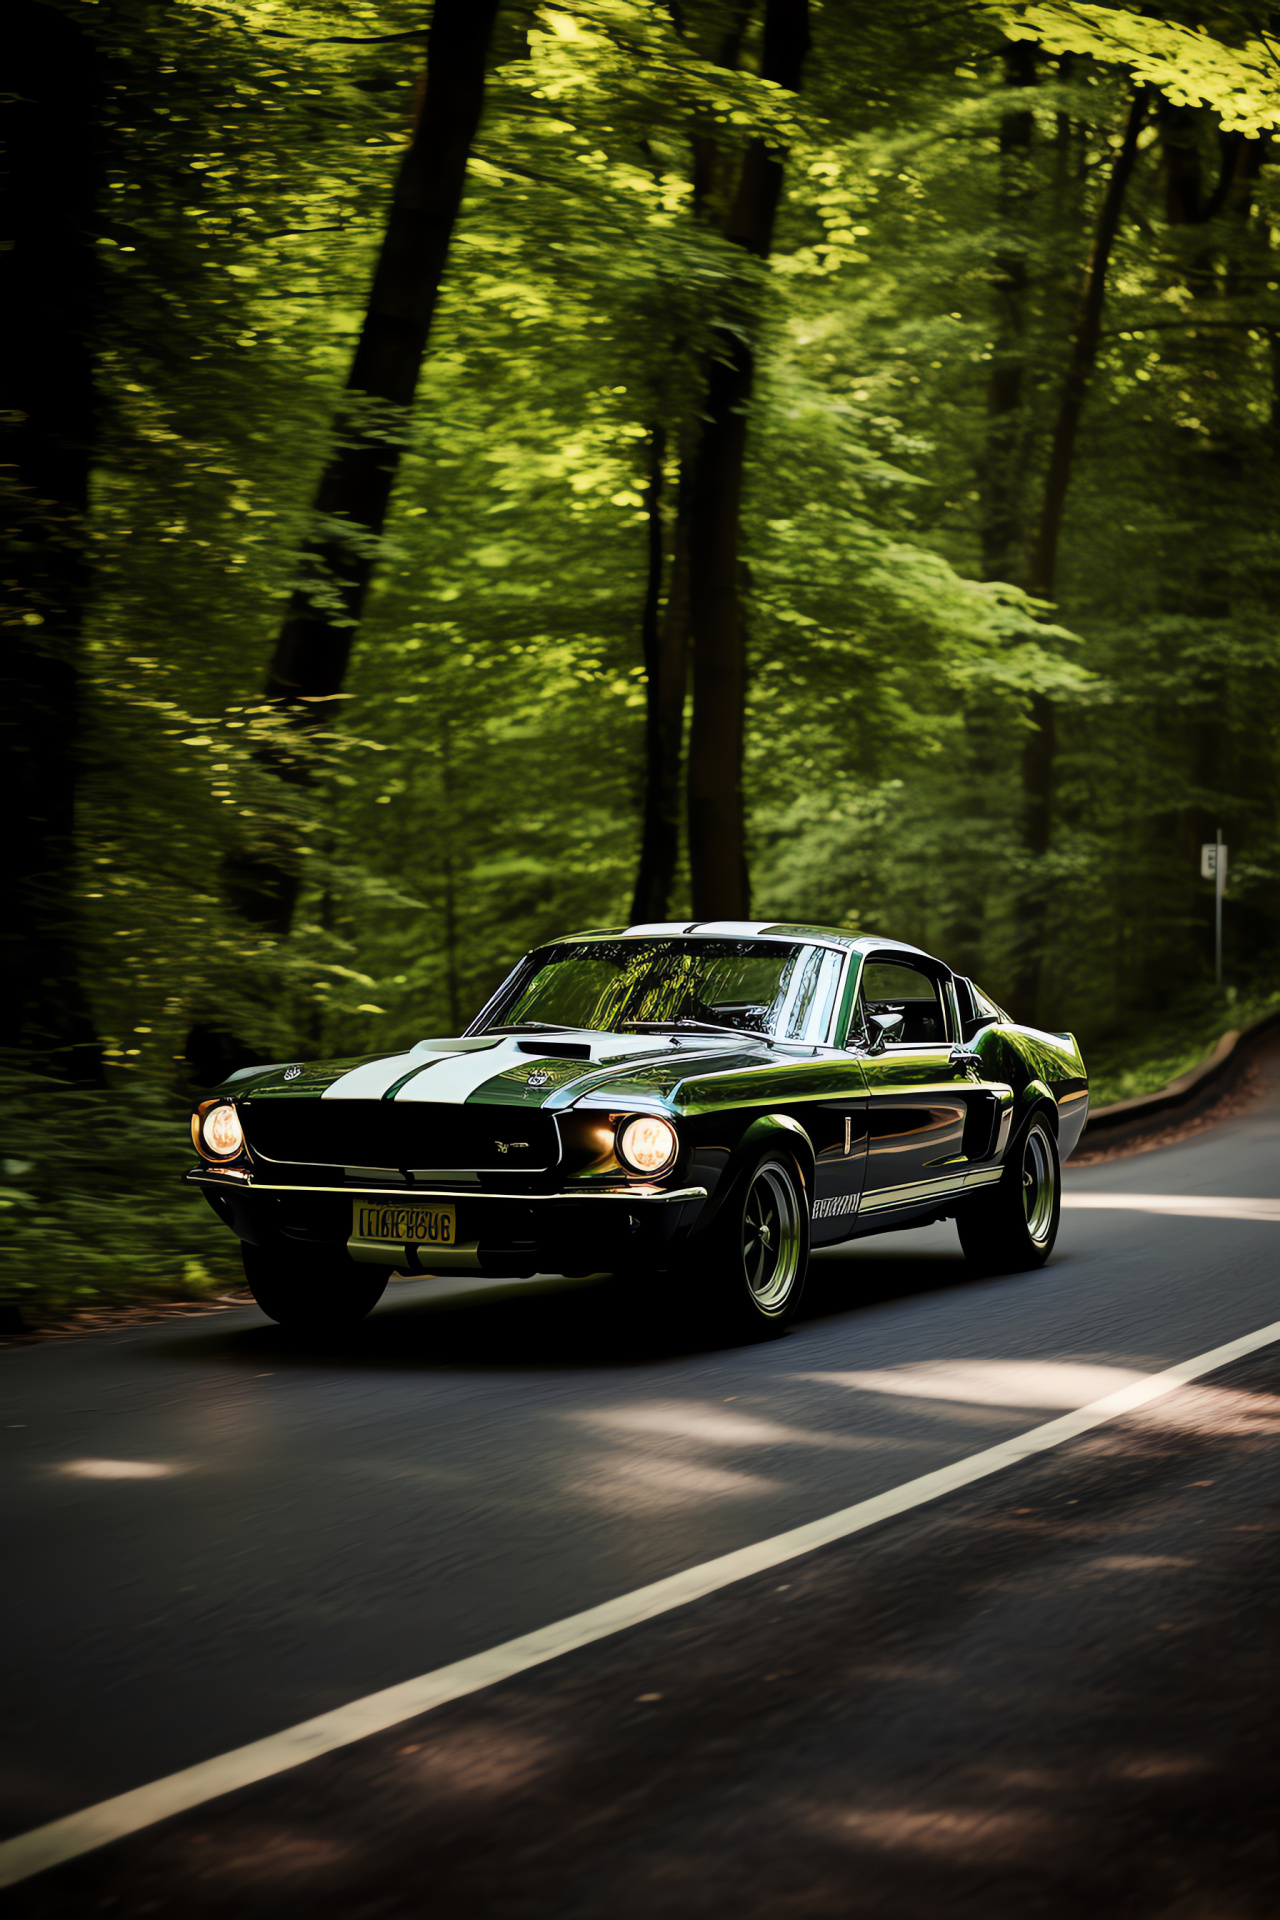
(555, 1049)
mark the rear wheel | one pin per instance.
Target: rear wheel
(312, 1289)
(1012, 1227)
(758, 1251)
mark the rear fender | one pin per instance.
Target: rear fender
(1034, 1095)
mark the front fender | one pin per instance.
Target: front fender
(767, 1129)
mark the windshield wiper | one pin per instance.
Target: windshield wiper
(697, 1026)
(530, 1026)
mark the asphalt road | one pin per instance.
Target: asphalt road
(1054, 1689)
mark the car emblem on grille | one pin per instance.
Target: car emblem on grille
(292, 1073)
(540, 1078)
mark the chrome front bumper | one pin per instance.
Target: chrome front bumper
(232, 1181)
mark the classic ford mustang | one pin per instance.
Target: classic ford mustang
(689, 1107)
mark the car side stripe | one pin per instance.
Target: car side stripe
(917, 1191)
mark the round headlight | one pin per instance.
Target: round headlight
(221, 1135)
(647, 1145)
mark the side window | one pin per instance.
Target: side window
(893, 986)
(976, 1010)
(966, 1006)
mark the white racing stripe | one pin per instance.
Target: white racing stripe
(79, 1833)
(426, 1060)
(453, 1080)
(1209, 1206)
(450, 1075)
(370, 1080)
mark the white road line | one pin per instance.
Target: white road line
(1211, 1206)
(78, 1833)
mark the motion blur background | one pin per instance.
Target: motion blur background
(1007, 542)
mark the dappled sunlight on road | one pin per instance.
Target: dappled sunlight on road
(1216, 1412)
(120, 1469)
(1208, 1206)
(1209, 1413)
(660, 1452)
(1109, 1563)
(622, 1483)
(272, 1854)
(467, 1761)
(710, 1426)
(1158, 1766)
(958, 1834)
(991, 1383)
(665, 1455)
(1063, 1385)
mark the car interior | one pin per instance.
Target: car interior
(890, 986)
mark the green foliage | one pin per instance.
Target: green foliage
(1185, 61)
(90, 1209)
(1148, 1056)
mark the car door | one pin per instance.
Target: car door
(933, 1118)
(828, 1096)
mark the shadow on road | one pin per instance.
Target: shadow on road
(592, 1326)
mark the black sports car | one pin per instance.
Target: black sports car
(690, 1107)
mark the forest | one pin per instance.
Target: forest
(478, 471)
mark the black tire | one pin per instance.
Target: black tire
(319, 1290)
(749, 1270)
(1011, 1227)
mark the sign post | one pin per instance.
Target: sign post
(1213, 866)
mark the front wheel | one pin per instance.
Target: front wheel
(319, 1290)
(758, 1251)
(1012, 1227)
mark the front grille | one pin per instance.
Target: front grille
(411, 1134)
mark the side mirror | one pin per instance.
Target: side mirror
(883, 1027)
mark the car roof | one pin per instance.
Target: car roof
(744, 930)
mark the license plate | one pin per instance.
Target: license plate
(406, 1226)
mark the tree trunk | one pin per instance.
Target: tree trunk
(717, 839)
(1041, 743)
(1084, 353)
(1000, 472)
(665, 622)
(47, 298)
(449, 878)
(665, 636)
(1000, 477)
(311, 654)
(320, 624)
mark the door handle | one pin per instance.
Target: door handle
(965, 1057)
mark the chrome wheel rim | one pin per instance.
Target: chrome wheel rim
(771, 1238)
(1039, 1184)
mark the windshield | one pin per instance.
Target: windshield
(749, 986)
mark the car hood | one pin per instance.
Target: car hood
(510, 1070)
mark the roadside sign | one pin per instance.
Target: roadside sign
(1213, 866)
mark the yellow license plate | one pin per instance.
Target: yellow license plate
(406, 1226)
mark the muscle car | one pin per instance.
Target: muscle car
(690, 1107)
